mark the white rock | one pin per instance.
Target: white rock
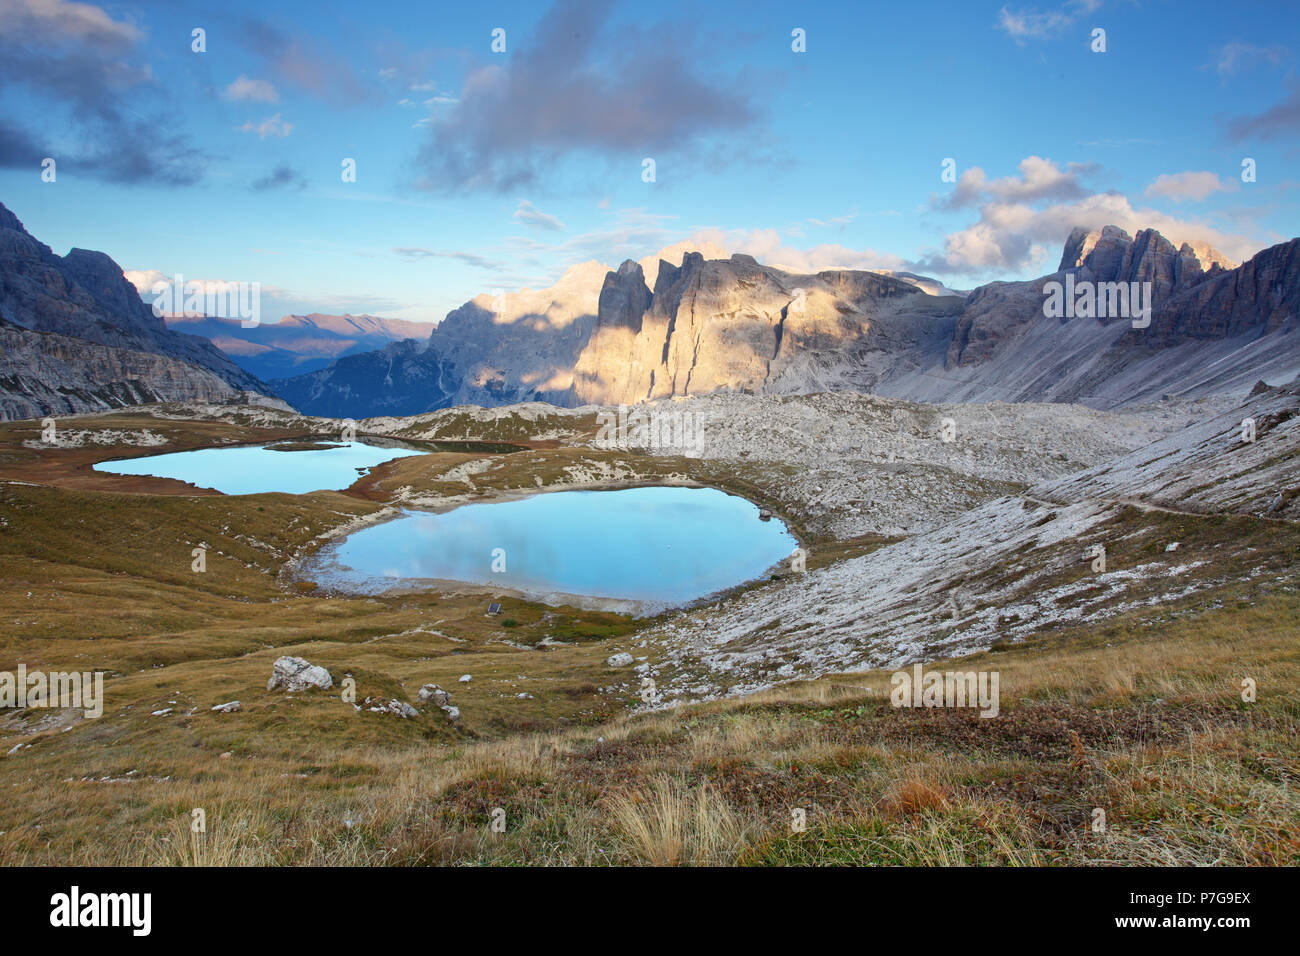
(402, 709)
(433, 694)
(398, 708)
(620, 659)
(227, 708)
(464, 679)
(295, 674)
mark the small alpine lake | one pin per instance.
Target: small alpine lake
(291, 467)
(654, 547)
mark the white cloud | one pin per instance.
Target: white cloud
(833, 221)
(1039, 179)
(271, 126)
(1030, 24)
(144, 279)
(255, 91)
(1232, 56)
(1188, 185)
(530, 215)
(1014, 237)
(769, 248)
(1024, 220)
(81, 22)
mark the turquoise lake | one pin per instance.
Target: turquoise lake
(253, 469)
(662, 546)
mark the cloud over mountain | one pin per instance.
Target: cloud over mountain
(1023, 218)
(574, 87)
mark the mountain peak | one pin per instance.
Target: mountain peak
(9, 221)
(1104, 250)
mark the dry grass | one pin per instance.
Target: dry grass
(1140, 716)
(667, 823)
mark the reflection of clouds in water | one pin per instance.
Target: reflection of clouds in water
(670, 544)
(256, 469)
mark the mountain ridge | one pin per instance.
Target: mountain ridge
(735, 325)
(298, 344)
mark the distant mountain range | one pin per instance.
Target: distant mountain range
(298, 343)
(607, 337)
(75, 336)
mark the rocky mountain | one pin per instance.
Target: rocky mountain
(735, 325)
(604, 336)
(44, 373)
(521, 347)
(732, 324)
(78, 338)
(298, 344)
(1213, 329)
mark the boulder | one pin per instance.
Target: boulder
(433, 694)
(228, 708)
(620, 659)
(295, 674)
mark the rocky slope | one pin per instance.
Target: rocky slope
(1213, 330)
(1021, 564)
(77, 333)
(298, 344)
(733, 325)
(43, 373)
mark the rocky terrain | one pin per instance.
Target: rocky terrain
(734, 325)
(43, 373)
(1021, 564)
(1118, 568)
(78, 338)
(860, 464)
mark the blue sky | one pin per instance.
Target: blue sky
(479, 170)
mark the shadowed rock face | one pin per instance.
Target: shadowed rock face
(83, 299)
(624, 298)
(1110, 255)
(43, 373)
(997, 313)
(1261, 296)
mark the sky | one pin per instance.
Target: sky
(495, 144)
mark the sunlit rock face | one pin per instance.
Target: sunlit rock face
(735, 325)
